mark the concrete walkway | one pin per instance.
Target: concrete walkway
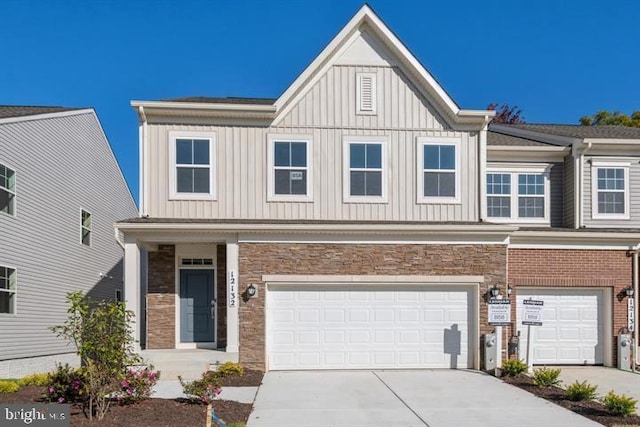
(433, 398)
(607, 379)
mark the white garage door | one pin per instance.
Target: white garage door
(572, 330)
(368, 327)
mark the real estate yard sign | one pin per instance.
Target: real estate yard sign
(499, 312)
(532, 312)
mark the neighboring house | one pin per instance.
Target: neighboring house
(61, 191)
(361, 219)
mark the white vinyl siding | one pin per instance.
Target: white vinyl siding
(438, 170)
(193, 167)
(610, 190)
(367, 99)
(7, 190)
(519, 195)
(290, 168)
(8, 288)
(62, 163)
(365, 170)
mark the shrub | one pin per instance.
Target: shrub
(546, 377)
(229, 369)
(581, 391)
(137, 384)
(8, 386)
(104, 341)
(205, 390)
(39, 380)
(513, 367)
(66, 385)
(620, 404)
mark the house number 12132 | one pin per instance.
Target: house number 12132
(233, 288)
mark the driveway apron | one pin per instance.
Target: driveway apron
(433, 398)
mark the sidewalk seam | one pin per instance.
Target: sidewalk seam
(400, 399)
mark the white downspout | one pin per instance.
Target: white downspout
(636, 335)
(142, 154)
(482, 162)
(581, 186)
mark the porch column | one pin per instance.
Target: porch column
(233, 296)
(132, 284)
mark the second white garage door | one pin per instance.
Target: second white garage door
(368, 327)
(572, 329)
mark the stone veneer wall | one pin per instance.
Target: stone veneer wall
(576, 269)
(221, 285)
(161, 290)
(257, 259)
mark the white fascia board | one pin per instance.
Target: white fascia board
(536, 136)
(611, 141)
(203, 108)
(527, 153)
(46, 116)
(574, 239)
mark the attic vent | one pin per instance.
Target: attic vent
(366, 83)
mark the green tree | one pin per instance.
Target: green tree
(506, 114)
(606, 118)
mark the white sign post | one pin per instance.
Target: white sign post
(531, 315)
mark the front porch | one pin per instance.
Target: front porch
(186, 363)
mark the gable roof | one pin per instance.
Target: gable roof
(9, 111)
(364, 22)
(501, 139)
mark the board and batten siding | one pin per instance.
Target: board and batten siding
(569, 192)
(326, 114)
(63, 164)
(556, 195)
(634, 194)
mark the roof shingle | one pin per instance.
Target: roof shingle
(578, 131)
(227, 100)
(7, 111)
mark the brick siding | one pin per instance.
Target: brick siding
(257, 259)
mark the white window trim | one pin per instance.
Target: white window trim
(346, 169)
(514, 171)
(213, 167)
(421, 141)
(14, 292)
(609, 164)
(374, 97)
(82, 227)
(14, 191)
(271, 184)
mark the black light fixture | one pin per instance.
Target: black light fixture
(629, 291)
(494, 291)
(252, 291)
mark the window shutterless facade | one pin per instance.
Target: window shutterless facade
(7, 190)
(193, 168)
(438, 169)
(518, 195)
(365, 170)
(8, 290)
(609, 189)
(290, 168)
(85, 227)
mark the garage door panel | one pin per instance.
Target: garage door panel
(572, 326)
(369, 328)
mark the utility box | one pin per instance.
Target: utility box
(490, 352)
(624, 352)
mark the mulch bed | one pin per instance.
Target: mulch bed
(156, 412)
(593, 410)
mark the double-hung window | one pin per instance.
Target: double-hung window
(8, 287)
(438, 170)
(518, 195)
(610, 189)
(192, 157)
(364, 170)
(290, 168)
(7, 190)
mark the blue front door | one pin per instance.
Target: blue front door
(197, 306)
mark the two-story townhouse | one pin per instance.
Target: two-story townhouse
(360, 220)
(577, 245)
(61, 191)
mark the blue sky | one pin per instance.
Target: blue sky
(557, 60)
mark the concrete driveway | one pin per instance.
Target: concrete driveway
(607, 379)
(421, 398)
